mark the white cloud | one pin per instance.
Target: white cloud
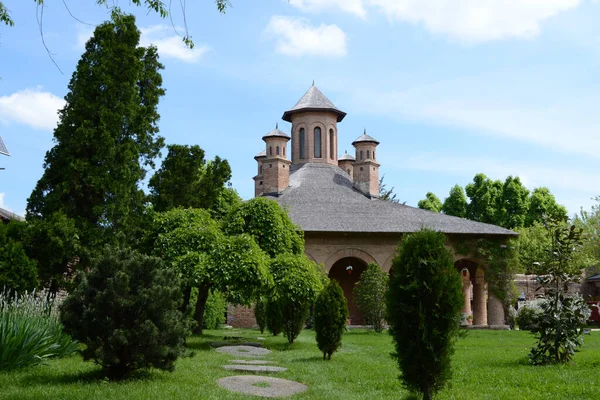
(32, 107)
(297, 37)
(350, 6)
(467, 20)
(165, 38)
(2, 205)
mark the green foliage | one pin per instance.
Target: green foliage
(297, 283)
(529, 315)
(501, 260)
(106, 137)
(369, 294)
(385, 193)
(274, 314)
(431, 203)
(18, 272)
(268, 224)
(186, 180)
(456, 203)
(226, 202)
(559, 331)
(30, 332)
(484, 195)
(514, 204)
(331, 314)
(214, 311)
(588, 256)
(125, 311)
(260, 314)
(543, 204)
(423, 310)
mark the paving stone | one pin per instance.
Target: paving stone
(252, 362)
(244, 351)
(262, 386)
(254, 368)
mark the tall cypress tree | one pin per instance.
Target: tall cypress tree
(107, 134)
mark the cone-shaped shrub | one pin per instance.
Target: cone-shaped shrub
(125, 310)
(331, 313)
(260, 314)
(369, 295)
(423, 310)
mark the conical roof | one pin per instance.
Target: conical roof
(261, 154)
(346, 156)
(276, 133)
(314, 100)
(364, 138)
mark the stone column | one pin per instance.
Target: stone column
(466, 286)
(495, 312)
(479, 299)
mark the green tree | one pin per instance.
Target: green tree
(106, 136)
(513, 204)
(18, 272)
(543, 204)
(369, 294)
(191, 242)
(589, 222)
(186, 180)
(431, 203)
(559, 329)
(456, 203)
(297, 283)
(260, 314)
(423, 304)
(331, 314)
(268, 224)
(385, 193)
(484, 198)
(125, 311)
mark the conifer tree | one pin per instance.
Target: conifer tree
(331, 314)
(106, 136)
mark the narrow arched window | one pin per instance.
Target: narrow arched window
(317, 142)
(373, 154)
(277, 150)
(284, 151)
(260, 169)
(368, 154)
(302, 144)
(331, 145)
(361, 154)
(270, 151)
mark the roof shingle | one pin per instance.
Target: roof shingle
(313, 100)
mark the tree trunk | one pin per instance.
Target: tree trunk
(187, 292)
(427, 393)
(200, 305)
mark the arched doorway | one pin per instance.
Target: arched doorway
(474, 291)
(347, 272)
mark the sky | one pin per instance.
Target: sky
(450, 88)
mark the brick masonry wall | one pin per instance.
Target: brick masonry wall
(241, 317)
(309, 121)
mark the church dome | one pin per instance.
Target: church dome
(313, 100)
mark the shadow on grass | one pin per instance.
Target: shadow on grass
(84, 378)
(309, 359)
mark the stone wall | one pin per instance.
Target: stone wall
(241, 317)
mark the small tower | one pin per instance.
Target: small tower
(259, 179)
(346, 162)
(366, 169)
(275, 165)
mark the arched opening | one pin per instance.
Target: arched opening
(474, 292)
(347, 272)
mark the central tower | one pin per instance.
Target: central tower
(314, 128)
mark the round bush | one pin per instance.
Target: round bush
(528, 316)
(330, 316)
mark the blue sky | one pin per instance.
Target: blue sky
(450, 88)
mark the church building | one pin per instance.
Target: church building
(334, 199)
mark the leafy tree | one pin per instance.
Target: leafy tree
(484, 195)
(431, 203)
(228, 200)
(331, 314)
(423, 309)
(18, 272)
(543, 204)
(297, 283)
(268, 224)
(186, 180)
(125, 311)
(191, 241)
(369, 294)
(456, 203)
(531, 245)
(106, 136)
(514, 204)
(559, 329)
(385, 193)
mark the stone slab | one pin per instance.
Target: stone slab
(244, 351)
(255, 368)
(252, 362)
(233, 343)
(262, 386)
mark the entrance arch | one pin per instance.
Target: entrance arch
(347, 272)
(474, 291)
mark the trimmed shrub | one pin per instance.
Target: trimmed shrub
(369, 294)
(528, 316)
(125, 310)
(214, 310)
(30, 332)
(274, 317)
(330, 315)
(18, 273)
(423, 310)
(260, 314)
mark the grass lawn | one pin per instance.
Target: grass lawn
(487, 365)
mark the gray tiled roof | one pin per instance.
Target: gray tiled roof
(6, 215)
(276, 133)
(346, 156)
(321, 198)
(261, 154)
(365, 138)
(313, 100)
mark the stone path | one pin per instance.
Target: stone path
(256, 385)
(263, 386)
